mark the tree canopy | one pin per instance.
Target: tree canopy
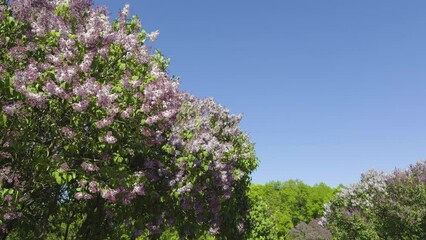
(292, 202)
(98, 142)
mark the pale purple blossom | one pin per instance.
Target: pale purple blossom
(79, 195)
(104, 52)
(126, 113)
(240, 227)
(93, 187)
(54, 59)
(68, 132)
(5, 155)
(54, 89)
(8, 198)
(104, 96)
(89, 167)
(127, 198)
(157, 72)
(64, 167)
(151, 120)
(125, 11)
(153, 35)
(109, 138)
(87, 196)
(12, 215)
(104, 122)
(82, 183)
(87, 62)
(186, 188)
(80, 106)
(139, 189)
(113, 110)
(66, 74)
(35, 99)
(110, 194)
(89, 88)
(214, 230)
(12, 108)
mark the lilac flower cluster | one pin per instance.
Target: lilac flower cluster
(9, 179)
(207, 134)
(381, 204)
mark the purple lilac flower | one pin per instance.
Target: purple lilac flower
(80, 106)
(93, 187)
(64, 167)
(109, 194)
(8, 198)
(104, 122)
(68, 132)
(12, 108)
(139, 189)
(79, 195)
(89, 167)
(109, 138)
(153, 35)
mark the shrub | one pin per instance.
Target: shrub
(381, 206)
(98, 142)
(311, 231)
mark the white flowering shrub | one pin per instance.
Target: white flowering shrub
(98, 142)
(381, 206)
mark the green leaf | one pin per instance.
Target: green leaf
(58, 177)
(118, 158)
(4, 120)
(69, 177)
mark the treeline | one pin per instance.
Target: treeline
(380, 206)
(289, 210)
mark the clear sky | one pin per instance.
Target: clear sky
(328, 89)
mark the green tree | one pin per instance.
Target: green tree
(98, 142)
(262, 223)
(292, 202)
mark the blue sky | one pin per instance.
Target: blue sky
(328, 89)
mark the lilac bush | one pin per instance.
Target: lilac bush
(311, 231)
(97, 141)
(381, 206)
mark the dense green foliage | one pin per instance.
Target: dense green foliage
(381, 206)
(292, 202)
(263, 225)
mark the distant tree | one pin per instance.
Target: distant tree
(262, 221)
(293, 202)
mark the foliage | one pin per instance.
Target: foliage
(98, 142)
(381, 206)
(292, 202)
(263, 225)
